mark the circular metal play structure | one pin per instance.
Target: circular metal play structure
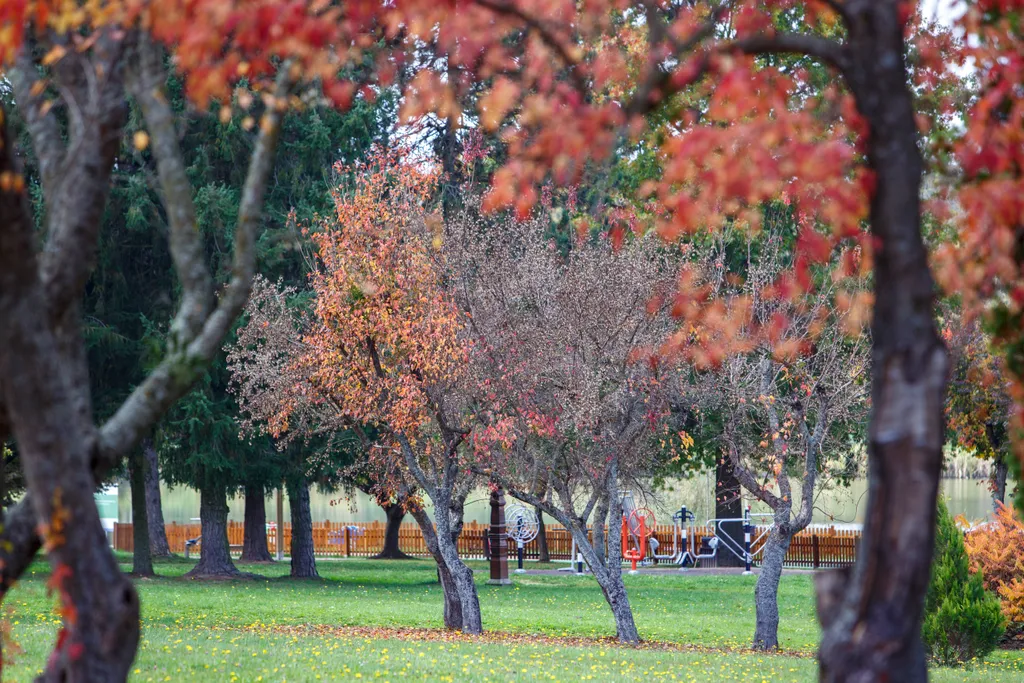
(521, 525)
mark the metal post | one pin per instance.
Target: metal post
(519, 552)
(280, 524)
(746, 540)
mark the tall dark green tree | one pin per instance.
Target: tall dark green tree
(132, 292)
(211, 457)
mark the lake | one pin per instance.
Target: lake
(841, 506)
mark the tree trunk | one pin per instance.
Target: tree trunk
(609, 578)
(461, 575)
(215, 552)
(142, 559)
(871, 617)
(766, 592)
(302, 550)
(728, 505)
(615, 593)
(452, 602)
(391, 550)
(543, 555)
(158, 546)
(254, 538)
(998, 481)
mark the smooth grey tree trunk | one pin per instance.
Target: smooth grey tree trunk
(395, 513)
(452, 600)
(158, 546)
(142, 559)
(618, 600)
(603, 557)
(254, 538)
(611, 578)
(302, 548)
(766, 591)
(607, 567)
(215, 552)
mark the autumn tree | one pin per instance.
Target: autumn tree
(567, 391)
(978, 400)
(787, 410)
(581, 78)
(383, 347)
(848, 152)
(983, 264)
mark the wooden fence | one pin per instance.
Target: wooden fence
(817, 547)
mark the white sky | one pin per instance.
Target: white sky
(945, 11)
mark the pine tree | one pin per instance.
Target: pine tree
(962, 620)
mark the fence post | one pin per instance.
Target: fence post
(348, 547)
(815, 552)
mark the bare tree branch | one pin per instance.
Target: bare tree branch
(656, 86)
(417, 472)
(812, 442)
(746, 477)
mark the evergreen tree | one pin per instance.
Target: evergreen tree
(133, 290)
(962, 621)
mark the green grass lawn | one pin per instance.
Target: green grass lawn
(279, 629)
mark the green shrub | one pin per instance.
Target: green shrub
(962, 620)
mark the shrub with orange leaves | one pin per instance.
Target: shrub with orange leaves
(997, 550)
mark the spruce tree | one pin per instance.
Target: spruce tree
(962, 620)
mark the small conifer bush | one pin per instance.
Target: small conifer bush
(962, 620)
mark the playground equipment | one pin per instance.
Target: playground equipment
(711, 545)
(638, 525)
(522, 525)
(680, 552)
(633, 555)
(639, 545)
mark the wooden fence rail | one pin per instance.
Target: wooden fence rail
(820, 547)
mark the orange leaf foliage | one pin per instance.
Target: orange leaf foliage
(386, 334)
(997, 550)
(984, 264)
